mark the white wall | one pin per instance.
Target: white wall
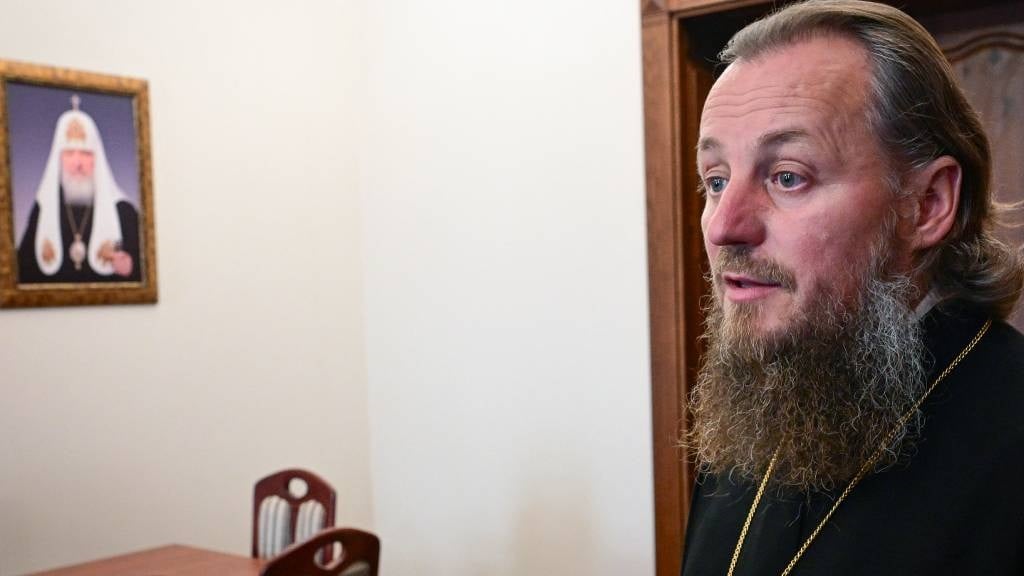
(464, 178)
(127, 427)
(503, 193)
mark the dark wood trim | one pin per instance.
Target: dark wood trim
(652, 6)
(674, 91)
(659, 49)
(688, 8)
(1002, 39)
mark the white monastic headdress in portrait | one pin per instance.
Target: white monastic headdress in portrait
(76, 131)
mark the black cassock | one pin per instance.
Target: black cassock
(957, 506)
(28, 268)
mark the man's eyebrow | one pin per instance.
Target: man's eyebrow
(777, 138)
(707, 143)
(771, 139)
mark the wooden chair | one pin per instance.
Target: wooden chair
(360, 554)
(282, 517)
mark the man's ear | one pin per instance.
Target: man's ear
(936, 198)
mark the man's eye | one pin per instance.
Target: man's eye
(715, 184)
(788, 180)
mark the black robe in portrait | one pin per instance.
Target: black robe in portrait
(957, 507)
(28, 267)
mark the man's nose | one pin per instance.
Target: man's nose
(737, 217)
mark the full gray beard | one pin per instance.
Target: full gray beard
(77, 190)
(825, 392)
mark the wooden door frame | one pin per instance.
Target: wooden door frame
(675, 86)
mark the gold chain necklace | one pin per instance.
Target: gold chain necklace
(77, 249)
(867, 467)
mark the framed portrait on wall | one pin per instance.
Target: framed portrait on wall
(76, 192)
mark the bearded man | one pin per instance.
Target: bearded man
(81, 228)
(859, 406)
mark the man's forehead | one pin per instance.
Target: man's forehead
(811, 60)
(804, 87)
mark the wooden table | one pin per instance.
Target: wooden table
(173, 560)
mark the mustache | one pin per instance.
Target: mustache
(739, 260)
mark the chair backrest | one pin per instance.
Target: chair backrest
(281, 517)
(358, 549)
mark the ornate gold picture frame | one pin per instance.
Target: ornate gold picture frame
(76, 188)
